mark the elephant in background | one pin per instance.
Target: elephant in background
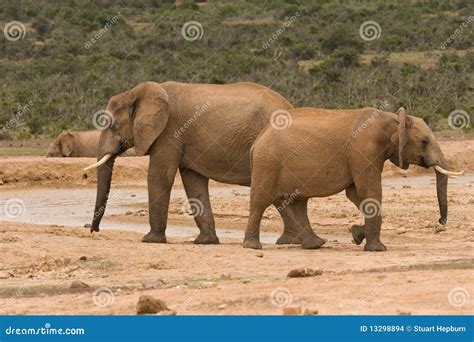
(203, 130)
(78, 144)
(326, 151)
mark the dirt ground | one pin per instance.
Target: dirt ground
(50, 269)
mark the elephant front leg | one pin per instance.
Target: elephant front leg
(358, 231)
(160, 182)
(369, 190)
(197, 190)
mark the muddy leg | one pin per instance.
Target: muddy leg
(291, 230)
(369, 189)
(358, 233)
(259, 201)
(161, 175)
(299, 215)
(196, 187)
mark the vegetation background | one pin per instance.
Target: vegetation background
(319, 60)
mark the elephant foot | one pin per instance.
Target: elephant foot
(207, 239)
(252, 243)
(288, 239)
(374, 246)
(358, 234)
(154, 237)
(312, 242)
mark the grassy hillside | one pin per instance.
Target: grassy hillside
(75, 54)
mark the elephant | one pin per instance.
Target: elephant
(78, 144)
(203, 130)
(324, 152)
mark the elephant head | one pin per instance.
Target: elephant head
(138, 117)
(62, 146)
(418, 145)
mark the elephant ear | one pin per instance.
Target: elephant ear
(404, 123)
(149, 114)
(66, 143)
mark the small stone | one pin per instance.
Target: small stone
(439, 228)
(303, 272)
(292, 311)
(166, 313)
(406, 186)
(310, 312)
(77, 284)
(83, 258)
(259, 255)
(222, 306)
(129, 212)
(4, 275)
(404, 313)
(150, 305)
(87, 225)
(208, 285)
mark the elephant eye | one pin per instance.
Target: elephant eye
(424, 142)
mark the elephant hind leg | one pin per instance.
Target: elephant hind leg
(260, 199)
(299, 215)
(197, 191)
(290, 230)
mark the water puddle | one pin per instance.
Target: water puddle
(74, 207)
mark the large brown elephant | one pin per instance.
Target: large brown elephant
(204, 130)
(78, 144)
(326, 151)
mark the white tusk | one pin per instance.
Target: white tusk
(100, 162)
(446, 172)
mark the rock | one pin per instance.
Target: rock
(83, 258)
(404, 313)
(87, 225)
(149, 305)
(292, 311)
(4, 275)
(259, 255)
(304, 272)
(439, 228)
(77, 284)
(222, 306)
(406, 186)
(310, 312)
(208, 285)
(129, 212)
(167, 313)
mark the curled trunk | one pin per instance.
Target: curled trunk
(104, 179)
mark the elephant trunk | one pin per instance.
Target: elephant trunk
(104, 179)
(442, 192)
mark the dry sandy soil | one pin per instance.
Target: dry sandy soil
(422, 272)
